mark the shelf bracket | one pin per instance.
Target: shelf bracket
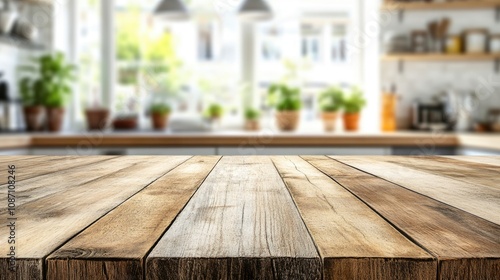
(401, 66)
(497, 65)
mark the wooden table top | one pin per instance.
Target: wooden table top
(278, 217)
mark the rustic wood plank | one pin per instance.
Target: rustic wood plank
(48, 221)
(49, 184)
(467, 247)
(473, 198)
(9, 159)
(115, 246)
(27, 169)
(354, 242)
(491, 160)
(240, 224)
(471, 173)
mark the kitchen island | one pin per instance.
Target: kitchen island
(250, 217)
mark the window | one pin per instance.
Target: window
(196, 63)
(311, 49)
(146, 60)
(88, 56)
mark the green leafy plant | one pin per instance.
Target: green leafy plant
(284, 98)
(52, 84)
(252, 114)
(331, 100)
(162, 109)
(354, 102)
(28, 95)
(215, 111)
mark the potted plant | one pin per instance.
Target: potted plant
(54, 83)
(215, 111)
(330, 102)
(353, 103)
(97, 117)
(252, 117)
(53, 80)
(159, 115)
(165, 88)
(287, 102)
(32, 102)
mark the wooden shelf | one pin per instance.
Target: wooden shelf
(440, 57)
(457, 5)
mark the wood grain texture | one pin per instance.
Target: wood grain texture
(471, 173)
(491, 160)
(240, 224)
(108, 245)
(48, 221)
(7, 160)
(49, 164)
(354, 242)
(467, 246)
(45, 185)
(473, 198)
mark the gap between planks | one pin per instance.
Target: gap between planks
(44, 231)
(432, 224)
(123, 252)
(353, 240)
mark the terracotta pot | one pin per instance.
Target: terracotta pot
(97, 118)
(125, 123)
(55, 119)
(160, 121)
(34, 118)
(252, 125)
(351, 121)
(287, 120)
(329, 120)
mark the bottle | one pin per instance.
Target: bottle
(389, 101)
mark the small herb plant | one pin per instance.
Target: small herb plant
(331, 100)
(49, 82)
(284, 98)
(252, 114)
(161, 109)
(354, 102)
(215, 111)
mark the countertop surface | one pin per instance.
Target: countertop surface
(294, 217)
(262, 138)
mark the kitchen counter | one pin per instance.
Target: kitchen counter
(8, 141)
(210, 217)
(237, 139)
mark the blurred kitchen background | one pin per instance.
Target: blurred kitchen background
(378, 73)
